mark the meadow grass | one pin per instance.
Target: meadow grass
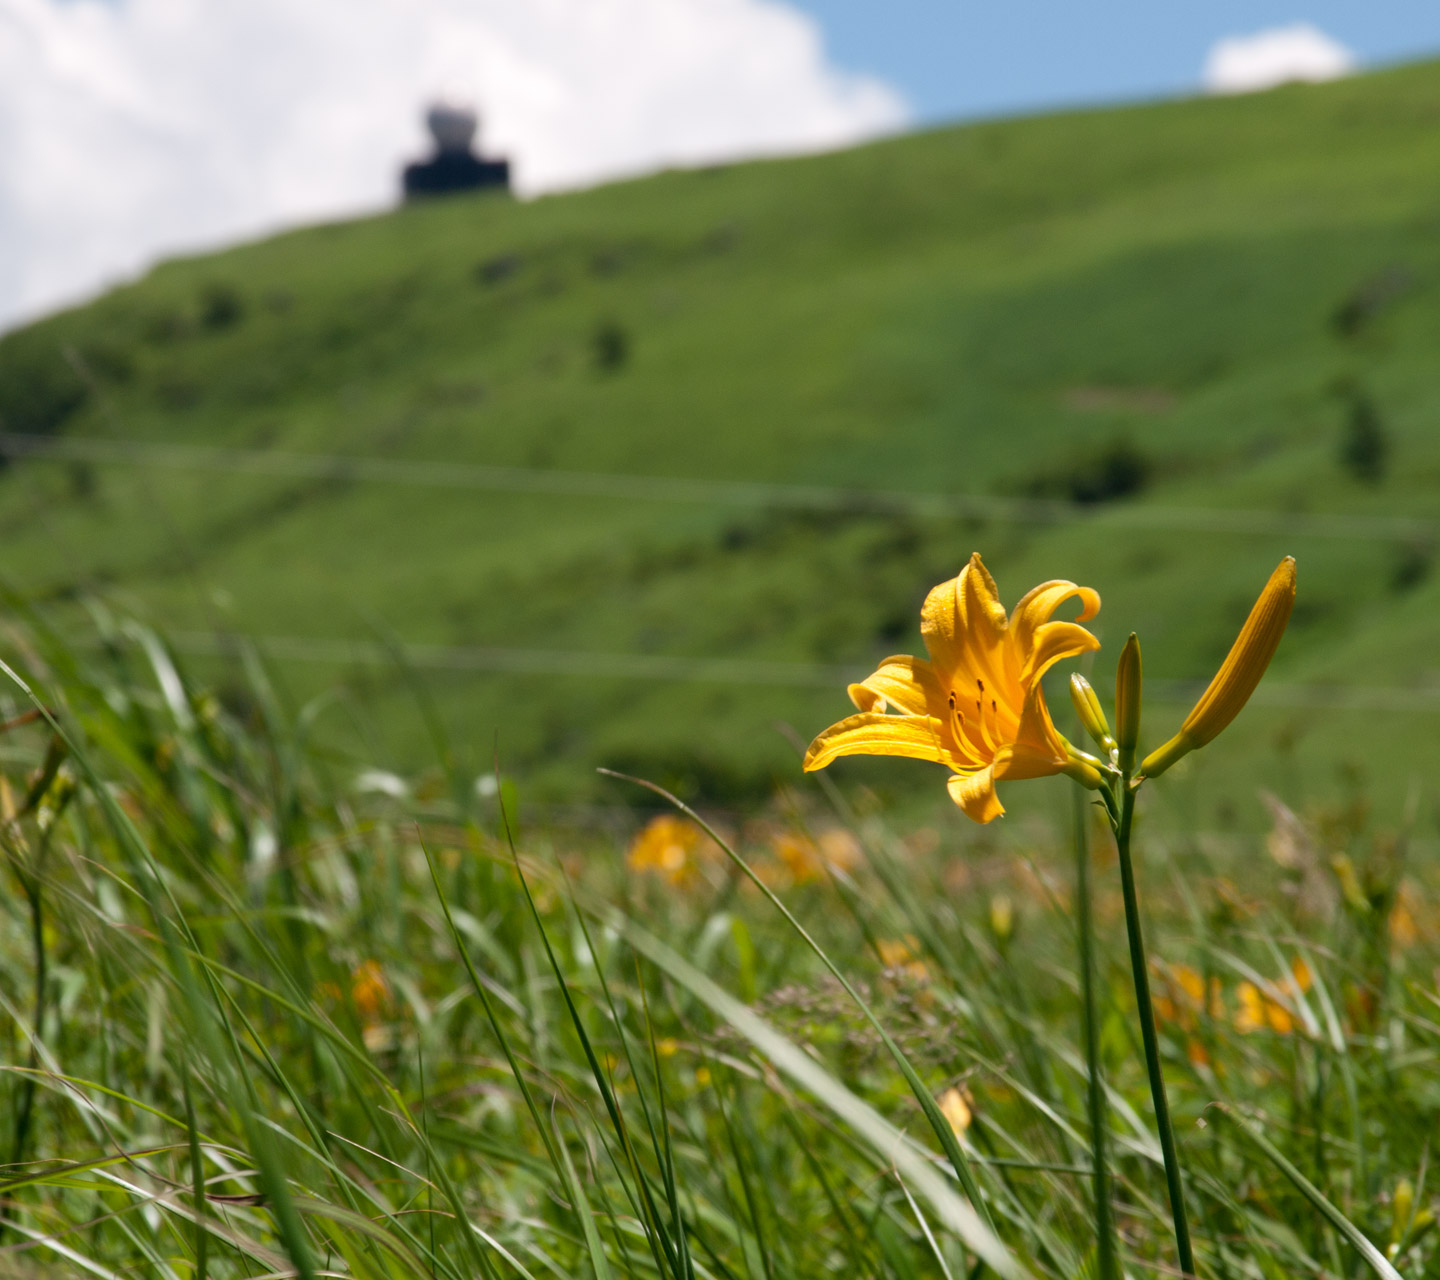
(270, 1011)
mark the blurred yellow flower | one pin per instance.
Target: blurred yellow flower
(840, 849)
(896, 951)
(976, 706)
(801, 859)
(1258, 1012)
(799, 855)
(1183, 997)
(672, 848)
(901, 954)
(1404, 916)
(369, 991)
(1300, 974)
(1191, 982)
(955, 1107)
(371, 998)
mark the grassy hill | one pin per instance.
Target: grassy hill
(1224, 305)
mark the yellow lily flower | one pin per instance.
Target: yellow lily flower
(976, 706)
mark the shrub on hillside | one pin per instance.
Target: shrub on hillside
(1118, 469)
(1364, 442)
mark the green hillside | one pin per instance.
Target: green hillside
(1220, 305)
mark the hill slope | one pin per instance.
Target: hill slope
(1183, 306)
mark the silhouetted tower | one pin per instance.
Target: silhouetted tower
(454, 166)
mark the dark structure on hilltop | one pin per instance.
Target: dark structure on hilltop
(454, 166)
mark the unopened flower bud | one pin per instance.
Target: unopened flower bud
(1403, 1204)
(1239, 673)
(1002, 918)
(1127, 703)
(1163, 757)
(1091, 713)
(1085, 769)
(1350, 888)
(1424, 1221)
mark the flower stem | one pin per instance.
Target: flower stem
(32, 885)
(1104, 1220)
(1140, 969)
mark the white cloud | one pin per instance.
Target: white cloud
(1279, 55)
(131, 128)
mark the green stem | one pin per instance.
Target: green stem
(1104, 1221)
(30, 883)
(1141, 971)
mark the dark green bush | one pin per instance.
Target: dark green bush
(1364, 442)
(1116, 470)
(39, 387)
(610, 346)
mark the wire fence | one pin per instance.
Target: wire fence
(743, 494)
(730, 671)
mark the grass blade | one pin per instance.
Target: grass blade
(887, 1142)
(1376, 1260)
(938, 1124)
(593, 1245)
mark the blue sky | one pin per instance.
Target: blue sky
(956, 58)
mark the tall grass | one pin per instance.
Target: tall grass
(269, 1012)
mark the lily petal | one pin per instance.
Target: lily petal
(940, 627)
(1038, 604)
(1032, 615)
(910, 684)
(865, 698)
(1037, 751)
(975, 794)
(983, 625)
(1051, 643)
(874, 734)
(963, 619)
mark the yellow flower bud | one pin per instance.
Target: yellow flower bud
(1084, 769)
(1159, 760)
(1344, 869)
(1403, 1205)
(1424, 1220)
(1233, 684)
(1127, 702)
(1091, 713)
(1002, 918)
